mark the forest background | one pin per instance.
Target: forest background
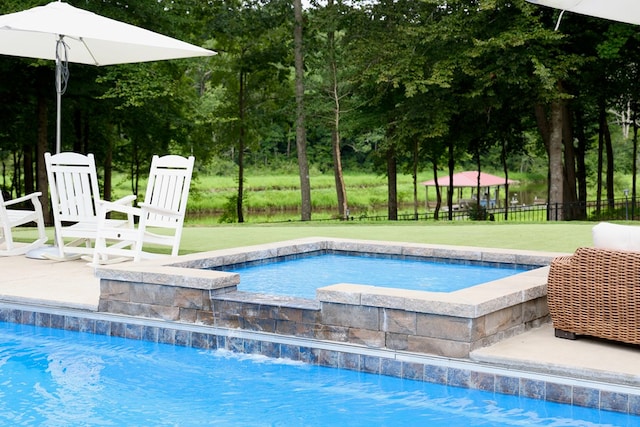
(395, 92)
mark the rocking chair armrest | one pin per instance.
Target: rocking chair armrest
(22, 199)
(126, 200)
(119, 206)
(159, 211)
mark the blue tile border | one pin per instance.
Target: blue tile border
(605, 398)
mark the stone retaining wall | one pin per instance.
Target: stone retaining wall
(444, 324)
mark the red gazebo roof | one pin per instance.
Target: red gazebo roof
(469, 179)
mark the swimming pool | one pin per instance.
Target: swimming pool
(300, 276)
(58, 377)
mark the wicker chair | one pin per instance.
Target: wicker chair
(596, 292)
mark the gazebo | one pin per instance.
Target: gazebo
(469, 179)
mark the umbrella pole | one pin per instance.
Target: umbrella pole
(58, 115)
(58, 96)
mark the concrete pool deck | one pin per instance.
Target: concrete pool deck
(73, 285)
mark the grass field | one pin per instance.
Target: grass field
(550, 236)
(554, 237)
(276, 197)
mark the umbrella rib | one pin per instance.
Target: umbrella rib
(95, 61)
(559, 19)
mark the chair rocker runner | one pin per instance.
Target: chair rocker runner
(11, 218)
(75, 198)
(161, 215)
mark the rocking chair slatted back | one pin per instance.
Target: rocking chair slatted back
(168, 189)
(73, 184)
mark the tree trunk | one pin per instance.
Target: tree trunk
(41, 148)
(436, 213)
(241, 145)
(27, 161)
(556, 173)
(478, 189)
(634, 164)
(301, 137)
(392, 185)
(341, 189)
(505, 168)
(414, 176)
(581, 167)
(601, 120)
(108, 169)
(610, 171)
(452, 163)
(569, 194)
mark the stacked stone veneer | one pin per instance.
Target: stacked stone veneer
(444, 324)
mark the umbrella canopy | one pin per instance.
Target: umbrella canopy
(61, 32)
(627, 11)
(469, 179)
(89, 38)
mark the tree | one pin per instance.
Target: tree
(301, 138)
(249, 76)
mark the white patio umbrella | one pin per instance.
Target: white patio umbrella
(627, 11)
(61, 32)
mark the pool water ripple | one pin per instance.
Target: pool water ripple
(300, 277)
(56, 377)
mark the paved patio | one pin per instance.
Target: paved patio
(72, 285)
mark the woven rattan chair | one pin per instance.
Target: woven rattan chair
(596, 292)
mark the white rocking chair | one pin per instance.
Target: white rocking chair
(73, 184)
(161, 215)
(11, 218)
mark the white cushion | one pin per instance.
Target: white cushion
(616, 236)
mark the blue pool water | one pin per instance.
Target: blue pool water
(300, 277)
(62, 378)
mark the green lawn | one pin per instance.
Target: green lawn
(553, 237)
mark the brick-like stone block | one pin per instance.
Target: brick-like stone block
(535, 309)
(311, 316)
(396, 341)
(398, 321)
(290, 313)
(354, 316)
(153, 294)
(121, 307)
(444, 327)
(187, 315)
(226, 307)
(160, 312)
(191, 298)
(205, 317)
(367, 337)
(502, 320)
(438, 347)
(258, 324)
(259, 311)
(331, 333)
(114, 291)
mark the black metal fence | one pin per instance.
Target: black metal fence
(618, 209)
